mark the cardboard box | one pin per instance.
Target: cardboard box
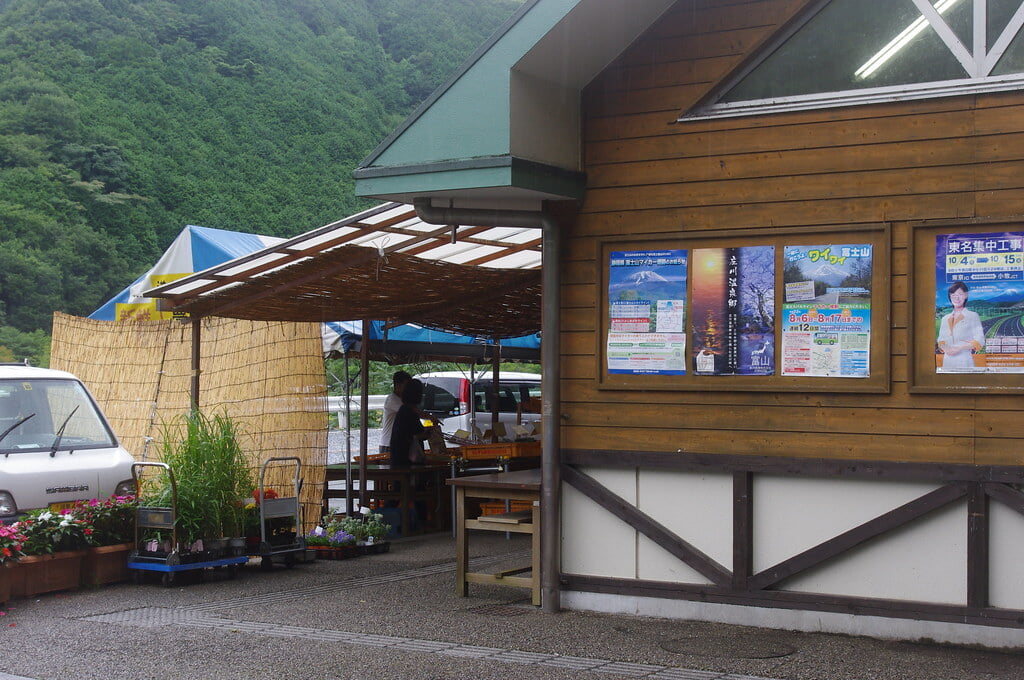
(501, 449)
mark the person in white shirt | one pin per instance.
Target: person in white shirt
(961, 334)
(392, 403)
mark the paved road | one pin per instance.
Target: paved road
(396, 616)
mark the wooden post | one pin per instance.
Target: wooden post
(364, 408)
(977, 546)
(742, 528)
(348, 440)
(196, 361)
(495, 392)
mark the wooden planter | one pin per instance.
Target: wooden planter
(5, 582)
(38, 574)
(106, 564)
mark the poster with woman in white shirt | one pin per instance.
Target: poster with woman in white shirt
(979, 303)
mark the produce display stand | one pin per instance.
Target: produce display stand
(286, 508)
(170, 562)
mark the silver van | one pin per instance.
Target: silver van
(462, 402)
(56, 447)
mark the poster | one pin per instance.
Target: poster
(826, 311)
(147, 309)
(979, 303)
(734, 311)
(647, 312)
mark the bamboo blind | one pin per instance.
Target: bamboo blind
(267, 376)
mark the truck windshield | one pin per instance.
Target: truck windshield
(35, 410)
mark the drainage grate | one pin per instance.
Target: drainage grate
(318, 591)
(511, 656)
(202, 616)
(148, 617)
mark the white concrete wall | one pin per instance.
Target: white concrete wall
(925, 562)
(1006, 555)
(599, 543)
(788, 619)
(698, 509)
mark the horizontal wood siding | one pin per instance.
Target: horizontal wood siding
(648, 176)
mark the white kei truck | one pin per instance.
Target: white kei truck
(56, 446)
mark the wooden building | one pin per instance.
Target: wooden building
(853, 476)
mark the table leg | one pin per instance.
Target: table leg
(461, 546)
(535, 553)
(406, 501)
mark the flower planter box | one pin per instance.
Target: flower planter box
(329, 552)
(323, 552)
(106, 564)
(5, 582)
(344, 552)
(374, 548)
(38, 574)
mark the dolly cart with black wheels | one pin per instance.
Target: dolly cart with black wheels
(169, 561)
(287, 547)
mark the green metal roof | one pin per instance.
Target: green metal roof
(506, 126)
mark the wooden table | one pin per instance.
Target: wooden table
(520, 485)
(404, 485)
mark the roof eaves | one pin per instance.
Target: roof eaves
(439, 92)
(526, 174)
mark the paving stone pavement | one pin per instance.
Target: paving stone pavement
(397, 615)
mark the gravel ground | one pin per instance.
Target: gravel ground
(336, 444)
(304, 622)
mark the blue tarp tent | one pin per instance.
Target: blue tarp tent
(193, 250)
(198, 248)
(413, 340)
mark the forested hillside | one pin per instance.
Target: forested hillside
(121, 121)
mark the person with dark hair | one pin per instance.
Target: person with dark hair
(392, 403)
(408, 431)
(960, 332)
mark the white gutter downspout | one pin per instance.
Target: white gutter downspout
(550, 520)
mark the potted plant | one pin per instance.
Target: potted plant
(377, 531)
(280, 531)
(369, 531)
(11, 542)
(212, 475)
(54, 546)
(330, 541)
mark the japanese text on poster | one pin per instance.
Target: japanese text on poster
(979, 291)
(734, 311)
(646, 312)
(826, 311)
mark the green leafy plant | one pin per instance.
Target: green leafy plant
(330, 533)
(212, 477)
(362, 528)
(112, 520)
(48, 532)
(11, 543)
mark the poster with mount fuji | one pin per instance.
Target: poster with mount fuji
(826, 311)
(647, 312)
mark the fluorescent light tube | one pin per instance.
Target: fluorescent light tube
(900, 41)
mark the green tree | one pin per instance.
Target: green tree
(121, 121)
